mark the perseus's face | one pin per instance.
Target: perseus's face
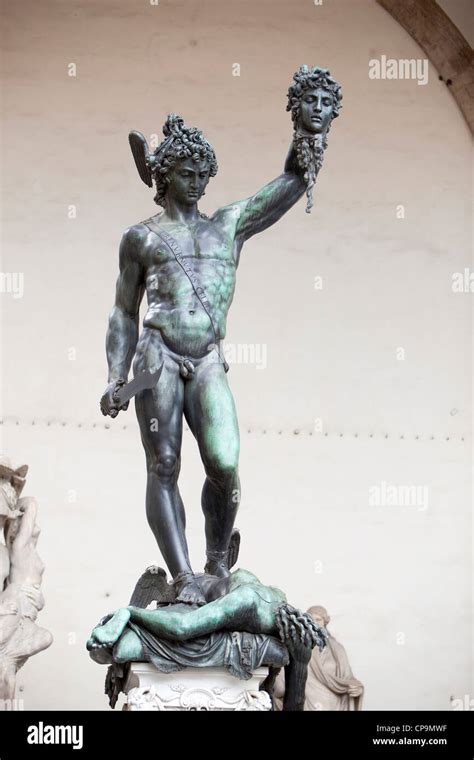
(316, 110)
(188, 180)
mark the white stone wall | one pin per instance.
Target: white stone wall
(334, 412)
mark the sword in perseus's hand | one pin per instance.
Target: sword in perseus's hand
(143, 381)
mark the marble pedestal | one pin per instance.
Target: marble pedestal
(193, 689)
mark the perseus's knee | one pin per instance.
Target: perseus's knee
(165, 465)
(223, 468)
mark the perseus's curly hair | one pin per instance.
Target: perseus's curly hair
(180, 142)
(310, 150)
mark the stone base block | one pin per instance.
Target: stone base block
(193, 689)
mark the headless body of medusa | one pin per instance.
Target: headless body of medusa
(237, 603)
(176, 327)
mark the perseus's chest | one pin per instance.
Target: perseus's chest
(205, 243)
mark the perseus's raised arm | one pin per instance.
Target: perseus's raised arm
(122, 333)
(274, 199)
(314, 100)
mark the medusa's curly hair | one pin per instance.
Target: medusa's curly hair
(180, 142)
(309, 79)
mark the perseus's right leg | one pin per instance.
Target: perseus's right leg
(160, 416)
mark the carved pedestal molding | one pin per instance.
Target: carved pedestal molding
(193, 689)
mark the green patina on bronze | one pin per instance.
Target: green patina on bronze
(186, 262)
(248, 605)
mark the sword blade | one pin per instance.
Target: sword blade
(141, 382)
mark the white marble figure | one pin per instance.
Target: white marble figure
(331, 684)
(20, 569)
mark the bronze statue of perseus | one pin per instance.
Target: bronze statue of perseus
(186, 262)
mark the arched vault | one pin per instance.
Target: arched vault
(443, 43)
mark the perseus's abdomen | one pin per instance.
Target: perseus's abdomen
(186, 331)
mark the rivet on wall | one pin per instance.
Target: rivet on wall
(264, 431)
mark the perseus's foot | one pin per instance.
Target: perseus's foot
(188, 589)
(108, 633)
(219, 569)
(217, 564)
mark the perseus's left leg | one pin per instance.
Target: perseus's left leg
(210, 411)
